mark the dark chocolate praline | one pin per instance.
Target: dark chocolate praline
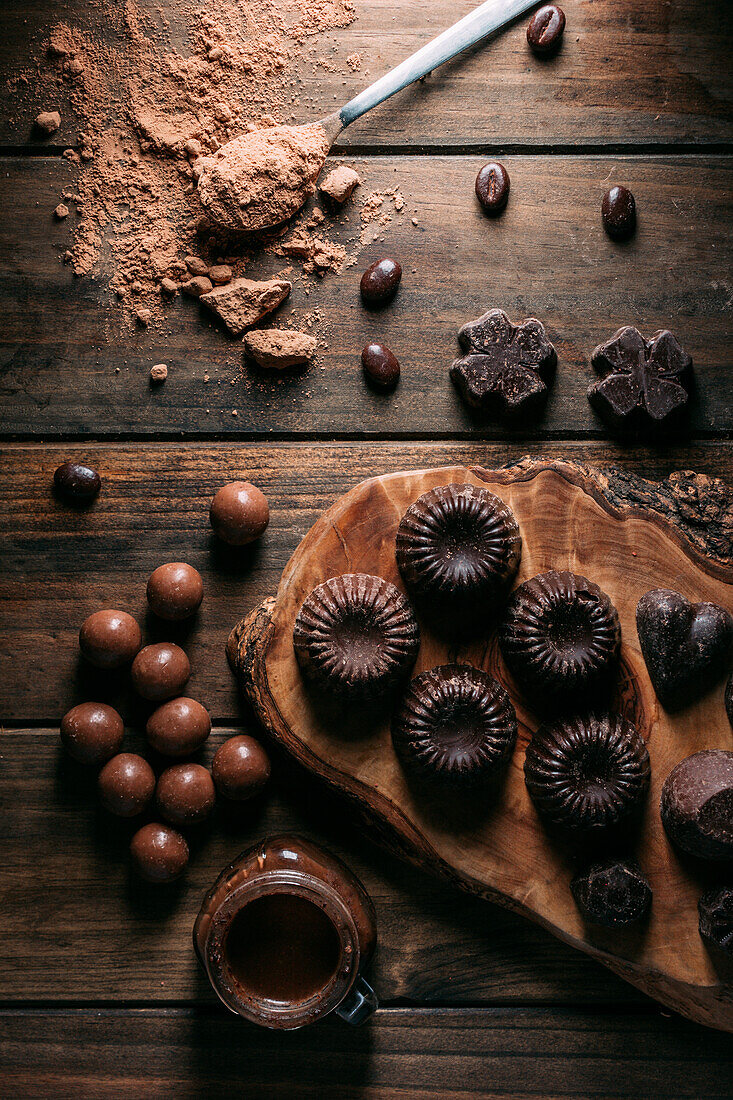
(458, 547)
(356, 635)
(587, 772)
(455, 724)
(696, 805)
(560, 639)
(613, 893)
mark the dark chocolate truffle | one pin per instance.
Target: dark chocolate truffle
(160, 671)
(560, 639)
(159, 854)
(458, 548)
(612, 893)
(109, 639)
(240, 767)
(185, 794)
(716, 918)
(178, 727)
(239, 513)
(686, 646)
(587, 773)
(175, 591)
(455, 724)
(356, 635)
(92, 732)
(697, 804)
(126, 784)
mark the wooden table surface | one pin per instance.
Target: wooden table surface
(100, 994)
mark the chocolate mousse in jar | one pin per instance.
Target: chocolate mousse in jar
(284, 935)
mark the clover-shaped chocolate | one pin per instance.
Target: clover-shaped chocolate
(644, 383)
(508, 368)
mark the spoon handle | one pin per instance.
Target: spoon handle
(477, 25)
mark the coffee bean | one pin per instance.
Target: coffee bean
(379, 282)
(380, 366)
(77, 482)
(545, 29)
(492, 187)
(618, 210)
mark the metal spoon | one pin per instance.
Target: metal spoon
(234, 204)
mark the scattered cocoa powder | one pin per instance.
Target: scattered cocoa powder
(280, 347)
(242, 303)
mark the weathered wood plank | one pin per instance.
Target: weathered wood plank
(98, 934)
(448, 1054)
(630, 71)
(60, 564)
(546, 256)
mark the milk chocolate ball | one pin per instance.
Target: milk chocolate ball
(185, 794)
(160, 671)
(179, 727)
(175, 591)
(240, 767)
(92, 732)
(126, 784)
(159, 854)
(109, 639)
(239, 513)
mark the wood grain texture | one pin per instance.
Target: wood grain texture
(60, 564)
(82, 928)
(547, 256)
(630, 71)
(501, 851)
(446, 1055)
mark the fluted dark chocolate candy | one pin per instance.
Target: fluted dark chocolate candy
(612, 893)
(508, 369)
(697, 804)
(715, 908)
(644, 384)
(356, 635)
(560, 639)
(458, 548)
(456, 724)
(686, 646)
(587, 773)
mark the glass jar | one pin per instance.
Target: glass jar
(284, 935)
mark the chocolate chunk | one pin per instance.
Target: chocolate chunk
(458, 548)
(455, 724)
(697, 804)
(508, 369)
(356, 635)
(612, 893)
(242, 303)
(560, 639)
(686, 646)
(645, 384)
(716, 918)
(587, 772)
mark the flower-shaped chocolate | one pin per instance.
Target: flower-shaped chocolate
(508, 368)
(644, 383)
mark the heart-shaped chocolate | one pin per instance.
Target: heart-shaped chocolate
(686, 645)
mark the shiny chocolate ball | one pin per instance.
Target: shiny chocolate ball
(239, 513)
(185, 794)
(159, 854)
(92, 732)
(76, 482)
(381, 366)
(380, 282)
(160, 671)
(126, 784)
(240, 767)
(175, 591)
(109, 639)
(178, 727)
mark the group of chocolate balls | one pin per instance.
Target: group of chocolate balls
(184, 792)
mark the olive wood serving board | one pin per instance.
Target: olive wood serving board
(626, 534)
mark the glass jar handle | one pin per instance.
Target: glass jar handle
(359, 1003)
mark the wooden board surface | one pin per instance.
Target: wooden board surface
(440, 1054)
(547, 256)
(567, 521)
(630, 72)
